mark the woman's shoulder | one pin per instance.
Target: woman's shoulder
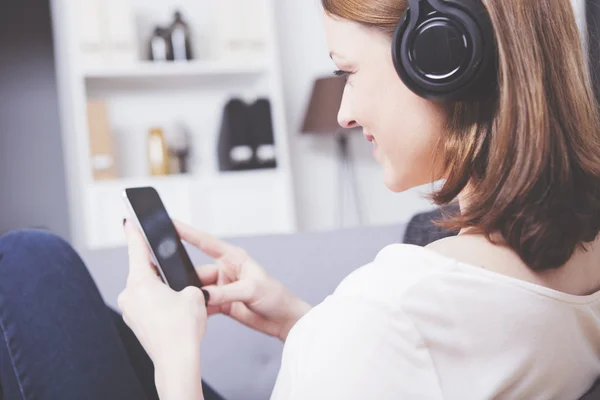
(464, 269)
(399, 269)
(395, 269)
(472, 249)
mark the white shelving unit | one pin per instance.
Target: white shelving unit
(141, 95)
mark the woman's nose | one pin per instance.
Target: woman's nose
(347, 123)
(345, 118)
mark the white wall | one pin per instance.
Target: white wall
(32, 177)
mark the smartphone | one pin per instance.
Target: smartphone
(166, 248)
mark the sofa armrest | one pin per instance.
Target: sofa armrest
(422, 230)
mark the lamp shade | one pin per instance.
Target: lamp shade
(325, 101)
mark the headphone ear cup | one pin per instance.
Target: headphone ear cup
(445, 50)
(398, 59)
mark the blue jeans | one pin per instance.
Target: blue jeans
(58, 340)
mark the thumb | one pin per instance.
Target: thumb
(237, 291)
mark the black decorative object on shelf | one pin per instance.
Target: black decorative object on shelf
(264, 140)
(180, 39)
(235, 151)
(159, 48)
(246, 139)
(171, 43)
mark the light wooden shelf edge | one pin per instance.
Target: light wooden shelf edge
(186, 179)
(174, 69)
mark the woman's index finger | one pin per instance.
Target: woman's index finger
(207, 243)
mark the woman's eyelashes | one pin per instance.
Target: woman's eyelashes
(344, 74)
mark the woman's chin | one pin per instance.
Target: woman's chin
(397, 187)
(399, 183)
(393, 183)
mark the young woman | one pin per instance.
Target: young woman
(492, 97)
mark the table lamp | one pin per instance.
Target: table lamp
(321, 119)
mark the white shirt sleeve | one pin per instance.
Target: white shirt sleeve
(352, 347)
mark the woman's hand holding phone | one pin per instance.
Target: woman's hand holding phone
(240, 288)
(169, 324)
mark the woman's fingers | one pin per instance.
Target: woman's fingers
(212, 310)
(208, 274)
(139, 255)
(252, 320)
(210, 245)
(239, 291)
(122, 302)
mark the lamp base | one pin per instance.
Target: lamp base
(346, 179)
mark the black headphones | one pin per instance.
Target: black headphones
(444, 50)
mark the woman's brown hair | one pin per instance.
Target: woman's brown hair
(529, 155)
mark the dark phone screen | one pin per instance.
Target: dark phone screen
(163, 238)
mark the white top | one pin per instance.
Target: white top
(415, 324)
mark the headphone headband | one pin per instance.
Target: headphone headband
(444, 50)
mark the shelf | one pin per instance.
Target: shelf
(247, 174)
(228, 204)
(188, 180)
(146, 70)
(119, 183)
(141, 94)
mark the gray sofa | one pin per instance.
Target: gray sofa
(242, 364)
(236, 361)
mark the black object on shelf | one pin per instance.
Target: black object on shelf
(246, 139)
(235, 150)
(264, 140)
(180, 39)
(159, 48)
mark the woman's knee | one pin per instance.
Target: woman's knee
(34, 248)
(31, 239)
